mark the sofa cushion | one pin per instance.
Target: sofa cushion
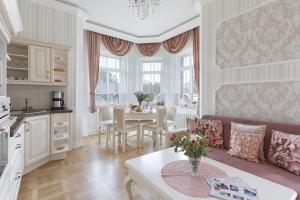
(262, 169)
(226, 122)
(246, 145)
(212, 129)
(254, 129)
(285, 151)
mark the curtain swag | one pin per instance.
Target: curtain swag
(177, 43)
(94, 55)
(148, 49)
(116, 46)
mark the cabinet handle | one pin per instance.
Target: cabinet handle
(26, 130)
(18, 177)
(18, 146)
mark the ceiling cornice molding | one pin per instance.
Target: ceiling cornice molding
(10, 19)
(57, 5)
(205, 2)
(190, 24)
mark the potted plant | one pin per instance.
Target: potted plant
(140, 97)
(194, 147)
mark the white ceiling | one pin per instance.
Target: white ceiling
(115, 15)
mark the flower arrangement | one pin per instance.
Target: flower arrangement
(194, 147)
(141, 96)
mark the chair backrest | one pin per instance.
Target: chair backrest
(171, 113)
(190, 125)
(118, 118)
(104, 113)
(160, 116)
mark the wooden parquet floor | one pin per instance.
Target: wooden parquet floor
(92, 172)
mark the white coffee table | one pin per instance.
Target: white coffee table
(146, 171)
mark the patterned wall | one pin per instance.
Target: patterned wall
(258, 53)
(279, 101)
(267, 34)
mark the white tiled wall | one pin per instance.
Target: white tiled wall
(39, 96)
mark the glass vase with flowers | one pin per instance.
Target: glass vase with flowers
(195, 147)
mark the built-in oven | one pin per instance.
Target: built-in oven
(5, 124)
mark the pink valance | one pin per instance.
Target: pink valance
(94, 55)
(148, 49)
(116, 46)
(177, 43)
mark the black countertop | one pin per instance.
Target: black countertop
(21, 115)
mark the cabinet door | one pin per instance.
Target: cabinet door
(39, 67)
(37, 139)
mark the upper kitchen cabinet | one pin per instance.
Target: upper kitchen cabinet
(39, 64)
(60, 61)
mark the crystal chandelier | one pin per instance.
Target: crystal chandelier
(142, 8)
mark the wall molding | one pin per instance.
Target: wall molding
(243, 12)
(99, 28)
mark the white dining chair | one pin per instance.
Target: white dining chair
(122, 129)
(105, 123)
(157, 127)
(171, 117)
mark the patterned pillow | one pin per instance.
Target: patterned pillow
(245, 145)
(255, 129)
(213, 129)
(285, 151)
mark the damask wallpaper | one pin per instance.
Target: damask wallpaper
(274, 101)
(268, 34)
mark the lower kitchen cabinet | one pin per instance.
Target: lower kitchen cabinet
(11, 178)
(37, 139)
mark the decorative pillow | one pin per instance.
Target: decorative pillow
(285, 151)
(255, 129)
(245, 145)
(213, 129)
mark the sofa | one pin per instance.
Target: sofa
(262, 169)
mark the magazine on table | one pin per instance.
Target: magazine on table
(231, 188)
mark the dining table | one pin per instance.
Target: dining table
(146, 116)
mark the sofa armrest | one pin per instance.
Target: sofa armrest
(174, 135)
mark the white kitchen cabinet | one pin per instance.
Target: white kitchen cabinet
(37, 139)
(11, 178)
(39, 64)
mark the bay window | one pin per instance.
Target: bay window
(151, 77)
(188, 92)
(108, 87)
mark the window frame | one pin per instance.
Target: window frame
(159, 72)
(190, 68)
(108, 70)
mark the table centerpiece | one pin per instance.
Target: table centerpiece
(194, 147)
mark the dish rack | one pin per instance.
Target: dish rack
(60, 134)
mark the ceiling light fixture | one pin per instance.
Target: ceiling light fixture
(142, 8)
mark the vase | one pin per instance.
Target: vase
(194, 166)
(140, 103)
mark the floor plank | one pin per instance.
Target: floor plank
(89, 173)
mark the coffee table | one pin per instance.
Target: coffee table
(146, 171)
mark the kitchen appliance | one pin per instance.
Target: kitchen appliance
(57, 102)
(5, 124)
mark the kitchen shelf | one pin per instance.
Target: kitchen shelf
(61, 124)
(60, 136)
(17, 68)
(22, 82)
(61, 148)
(17, 55)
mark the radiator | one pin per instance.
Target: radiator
(182, 115)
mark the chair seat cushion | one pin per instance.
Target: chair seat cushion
(262, 169)
(106, 122)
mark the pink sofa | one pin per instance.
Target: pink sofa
(264, 169)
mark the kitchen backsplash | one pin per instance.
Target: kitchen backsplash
(39, 97)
